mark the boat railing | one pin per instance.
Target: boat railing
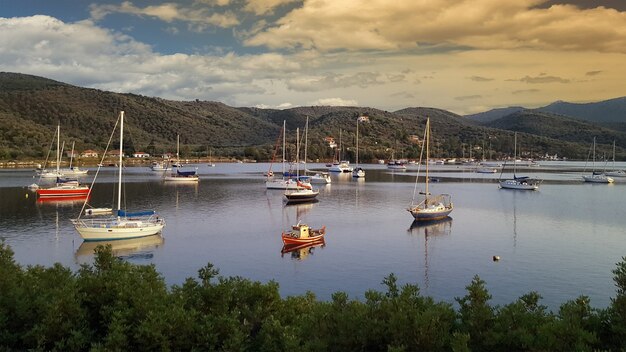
(152, 220)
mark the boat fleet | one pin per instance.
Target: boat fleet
(295, 180)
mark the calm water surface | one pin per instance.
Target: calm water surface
(562, 241)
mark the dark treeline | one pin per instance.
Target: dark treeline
(31, 108)
(114, 305)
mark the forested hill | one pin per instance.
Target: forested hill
(31, 107)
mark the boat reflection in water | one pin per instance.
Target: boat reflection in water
(62, 200)
(428, 229)
(301, 251)
(132, 249)
(432, 228)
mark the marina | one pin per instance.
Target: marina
(561, 241)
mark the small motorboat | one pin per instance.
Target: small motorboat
(302, 233)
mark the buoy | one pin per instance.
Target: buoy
(26, 195)
(496, 258)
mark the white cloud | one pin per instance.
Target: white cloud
(199, 18)
(334, 102)
(262, 7)
(486, 24)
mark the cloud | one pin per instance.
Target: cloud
(334, 102)
(404, 95)
(543, 78)
(199, 18)
(330, 25)
(262, 7)
(468, 97)
(83, 54)
(523, 91)
(593, 73)
(480, 79)
(333, 81)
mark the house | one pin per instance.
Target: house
(140, 155)
(69, 153)
(89, 154)
(115, 153)
(330, 141)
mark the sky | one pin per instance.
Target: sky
(465, 56)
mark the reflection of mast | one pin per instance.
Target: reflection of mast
(430, 229)
(514, 222)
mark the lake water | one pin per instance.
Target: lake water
(561, 241)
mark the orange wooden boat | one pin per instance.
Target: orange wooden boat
(302, 233)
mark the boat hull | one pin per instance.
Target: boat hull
(301, 196)
(430, 215)
(512, 184)
(597, 179)
(101, 231)
(181, 179)
(63, 192)
(288, 239)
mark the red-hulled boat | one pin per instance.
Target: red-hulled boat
(64, 188)
(302, 233)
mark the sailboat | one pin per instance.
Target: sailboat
(125, 224)
(211, 163)
(73, 170)
(340, 165)
(302, 193)
(286, 181)
(615, 172)
(179, 175)
(596, 177)
(44, 173)
(431, 207)
(521, 182)
(64, 187)
(358, 171)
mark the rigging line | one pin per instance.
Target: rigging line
(419, 167)
(106, 149)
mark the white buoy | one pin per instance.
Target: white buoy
(496, 258)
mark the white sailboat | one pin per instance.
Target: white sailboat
(340, 165)
(431, 208)
(358, 172)
(596, 177)
(125, 224)
(44, 173)
(521, 182)
(73, 170)
(302, 192)
(181, 175)
(615, 172)
(285, 182)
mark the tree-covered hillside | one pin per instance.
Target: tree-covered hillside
(31, 107)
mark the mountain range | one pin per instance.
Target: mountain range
(31, 107)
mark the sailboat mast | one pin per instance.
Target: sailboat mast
(357, 143)
(177, 149)
(58, 147)
(119, 180)
(283, 161)
(594, 154)
(514, 154)
(72, 156)
(427, 158)
(306, 140)
(298, 152)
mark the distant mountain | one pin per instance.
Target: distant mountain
(494, 114)
(31, 107)
(613, 110)
(559, 127)
(610, 113)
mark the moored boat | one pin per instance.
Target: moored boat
(302, 233)
(431, 207)
(123, 225)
